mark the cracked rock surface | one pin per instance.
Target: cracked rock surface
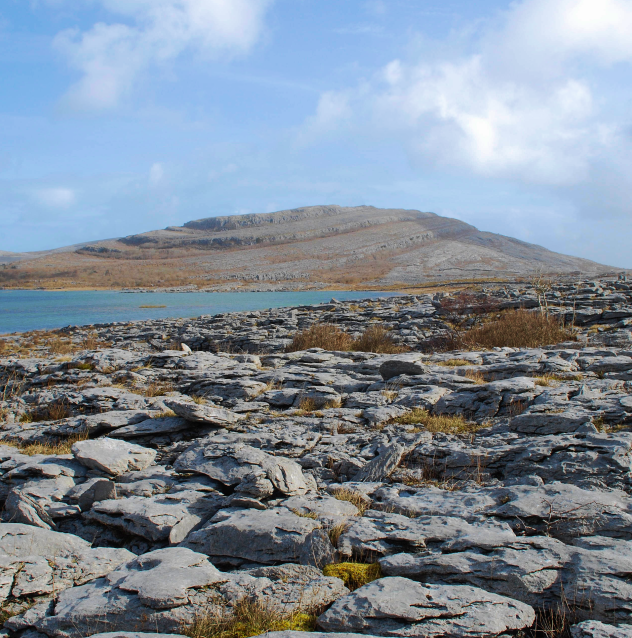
(143, 487)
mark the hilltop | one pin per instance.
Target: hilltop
(316, 246)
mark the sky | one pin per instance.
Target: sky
(123, 116)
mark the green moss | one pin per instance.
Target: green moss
(354, 575)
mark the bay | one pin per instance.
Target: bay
(25, 310)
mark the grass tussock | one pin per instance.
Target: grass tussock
(517, 329)
(46, 343)
(354, 575)
(456, 424)
(164, 414)
(379, 340)
(323, 335)
(54, 412)
(248, 618)
(52, 447)
(336, 531)
(157, 389)
(452, 363)
(355, 498)
(475, 375)
(329, 337)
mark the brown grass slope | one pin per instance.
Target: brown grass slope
(340, 246)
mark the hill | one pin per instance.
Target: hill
(300, 248)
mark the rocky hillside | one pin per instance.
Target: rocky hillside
(312, 247)
(471, 494)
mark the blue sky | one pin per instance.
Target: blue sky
(120, 116)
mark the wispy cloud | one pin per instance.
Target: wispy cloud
(59, 198)
(515, 108)
(111, 57)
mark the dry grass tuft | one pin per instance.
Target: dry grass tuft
(54, 447)
(329, 337)
(164, 414)
(517, 329)
(248, 618)
(311, 515)
(54, 412)
(475, 375)
(452, 363)
(355, 498)
(157, 389)
(307, 405)
(354, 575)
(337, 531)
(442, 423)
(377, 339)
(324, 335)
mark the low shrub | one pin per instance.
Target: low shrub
(517, 329)
(248, 618)
(354, 575)
(377, 339)
(322, 335)
(329, 337)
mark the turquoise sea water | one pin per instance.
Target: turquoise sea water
(24, 310)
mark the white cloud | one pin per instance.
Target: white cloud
(516, 107)
(56, 197)
(156, 174)
(110, 57)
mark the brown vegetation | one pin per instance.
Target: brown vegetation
(50, 447)
(517, 329)
(329, 337)
(377, 339)
(322, 335)
(248, 618)
(355, 498)
(447, 424)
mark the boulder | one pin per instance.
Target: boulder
(270, 536)
(161, 517)
(206, 414)
(113, 457)
(36, 561)
(596, 629)
(226, 458)
(400, 607)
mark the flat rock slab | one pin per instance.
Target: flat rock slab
(379, 534)
(160, 517)
(113, 457)
(312, 634)
(35, 561)
(198, 413)
(537, 570)
(152, 427)
(596, 629)
(166, 589)
(226, 458)
(561, 510)
(262, 536)
(135, 634)
(401, 607)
